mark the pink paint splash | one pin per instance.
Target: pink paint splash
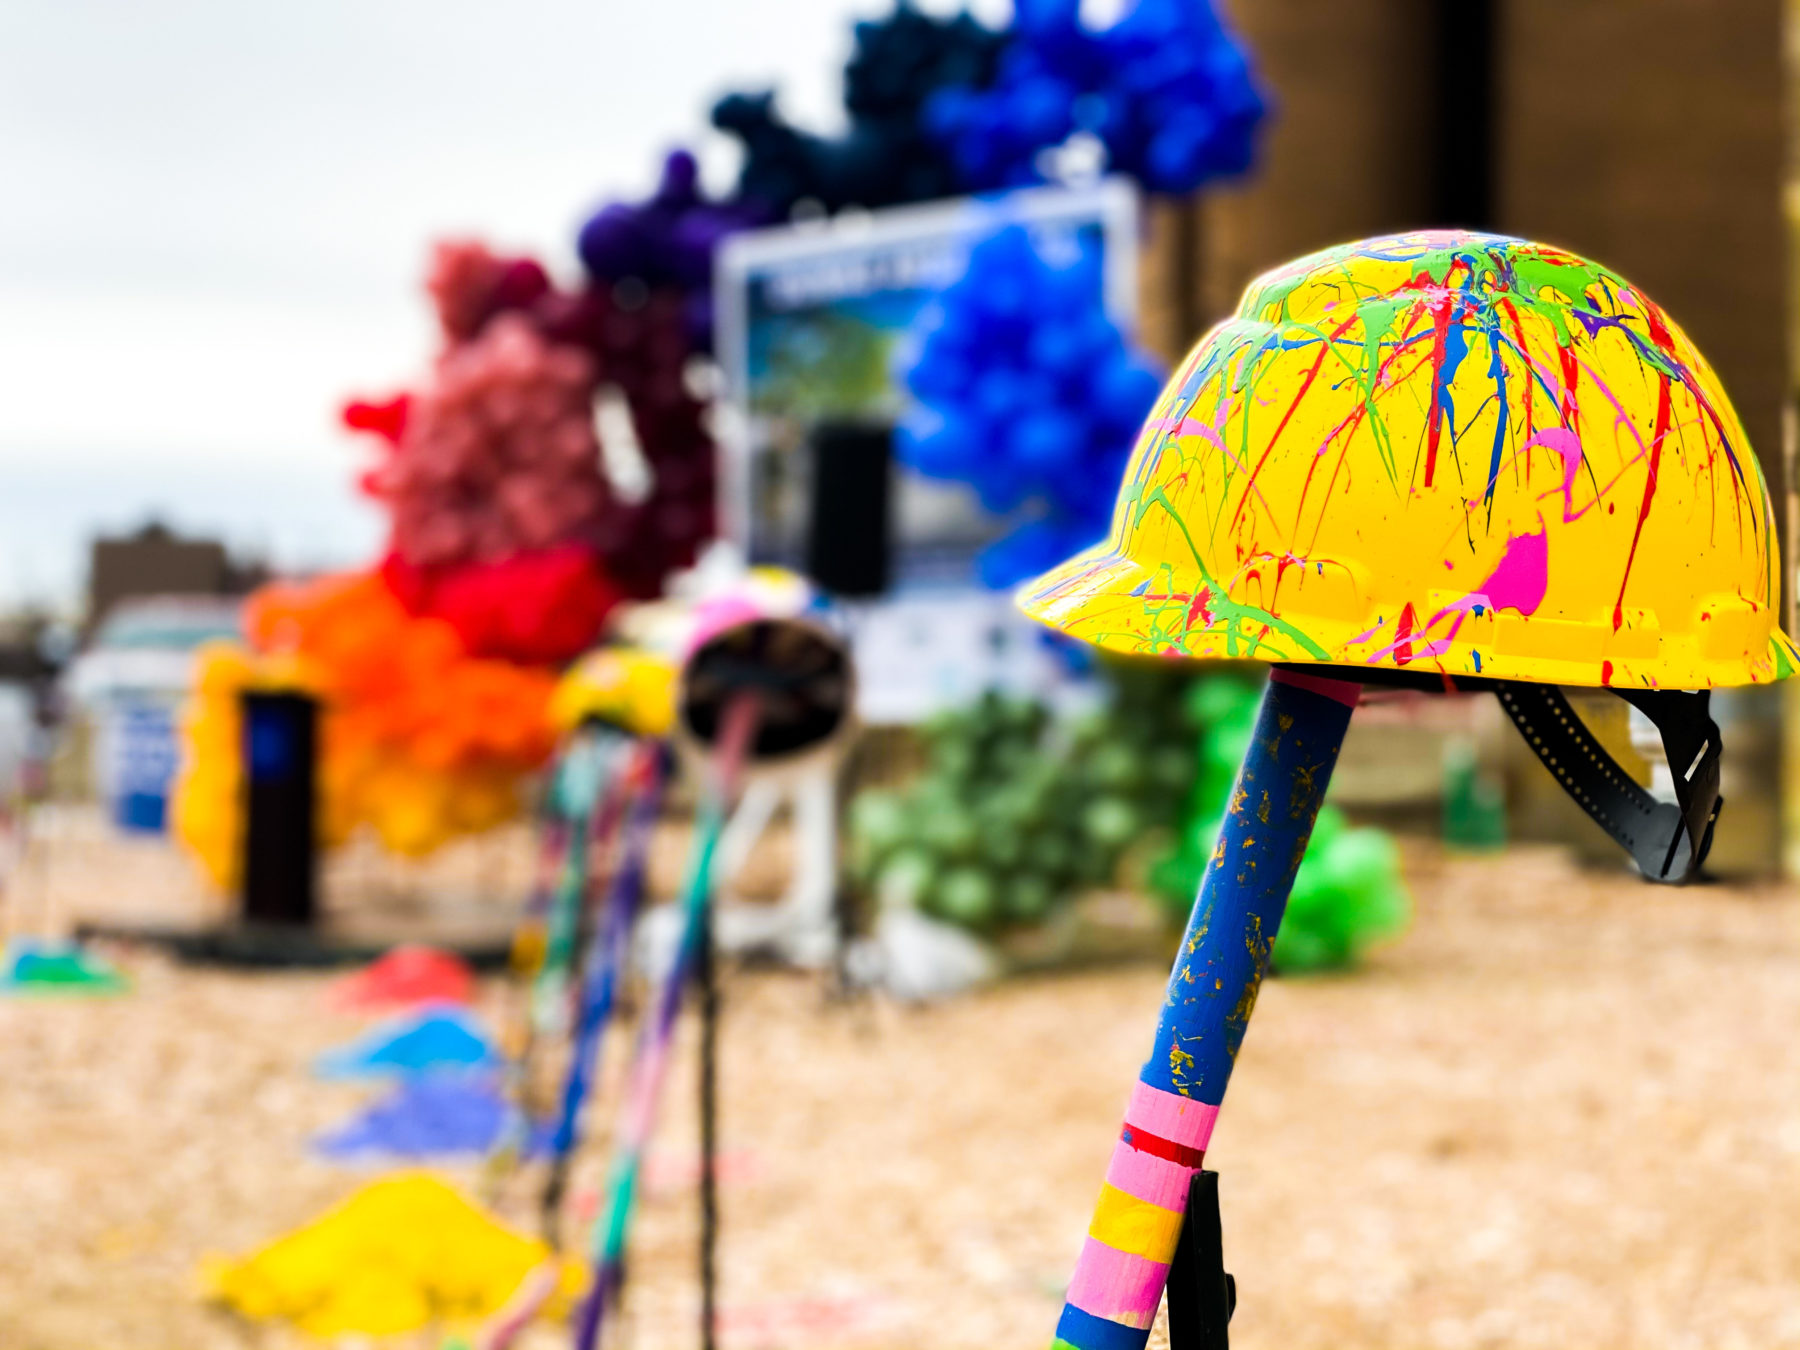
(1567, 444)
(1522, 577)
(1519, 583)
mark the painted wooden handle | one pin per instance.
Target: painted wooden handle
(1124, 1263)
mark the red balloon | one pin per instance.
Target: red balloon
(537, 608)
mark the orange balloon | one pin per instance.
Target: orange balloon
(419, 741)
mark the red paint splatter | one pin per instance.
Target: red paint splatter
(1571, 371)
(1440, 330)
(1408, 625)
(1658, 325)
(1519, 582)
(1286, 417)
(1201, 608)
(1606, 672)
(1519, 337)
(1350, 423)
(1656, 440)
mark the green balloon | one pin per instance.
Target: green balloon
(878, 823)
(1113, 767)
(1348, 893)
(1002, 847)
(1028, 897)
(1221, 698)
(966, 896)
(1110, 823)
(1052, 853)
(953, 832)
(905, 879)
(1171, 769)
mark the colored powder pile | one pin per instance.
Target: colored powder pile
(440, 1115)
(404, 1252)
(56, 968)
(405, 978)
(423, 1042)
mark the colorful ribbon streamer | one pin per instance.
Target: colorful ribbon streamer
(651, 1061)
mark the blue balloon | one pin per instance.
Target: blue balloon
(1059, 348)
(944, 451)
(901, 68)
(1040, 110)
(939, 374)
(1035, 547)
(1000, 396)
(1039, 411)
(1018, 556)
(1126, 383)
(1001, 487)
(1163, 65)
(1046, 444)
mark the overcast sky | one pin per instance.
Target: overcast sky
(214, 217)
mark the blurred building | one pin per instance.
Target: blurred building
(1645, 133)
(155, 561)
(1648, 134)
(154, 598)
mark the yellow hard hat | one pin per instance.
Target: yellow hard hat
(1459, 461)
(1458, 453)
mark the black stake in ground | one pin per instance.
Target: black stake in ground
(1201, 1296)
(707, 974)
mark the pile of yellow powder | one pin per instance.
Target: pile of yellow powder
(405, 1251)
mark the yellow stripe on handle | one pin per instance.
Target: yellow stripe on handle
(1128, 1224)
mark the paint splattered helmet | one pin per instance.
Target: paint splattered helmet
(1457, 460)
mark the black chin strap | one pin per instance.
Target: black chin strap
(1660, 836)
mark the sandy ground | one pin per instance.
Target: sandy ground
(1563, 1111)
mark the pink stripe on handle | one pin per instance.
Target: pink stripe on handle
(1174, 1117)
(1346, 692)
(1116, 1285)
(1155, 1180)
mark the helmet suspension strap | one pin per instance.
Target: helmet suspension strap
(1668, 841)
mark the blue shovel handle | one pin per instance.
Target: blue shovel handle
(1124, 1263)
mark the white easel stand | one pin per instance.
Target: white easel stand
(801, 928)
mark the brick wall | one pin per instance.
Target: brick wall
(1648, 134)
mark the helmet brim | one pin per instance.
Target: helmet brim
(1106, 598)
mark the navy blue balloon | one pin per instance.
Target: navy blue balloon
(1029, 394)
(887, 157)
